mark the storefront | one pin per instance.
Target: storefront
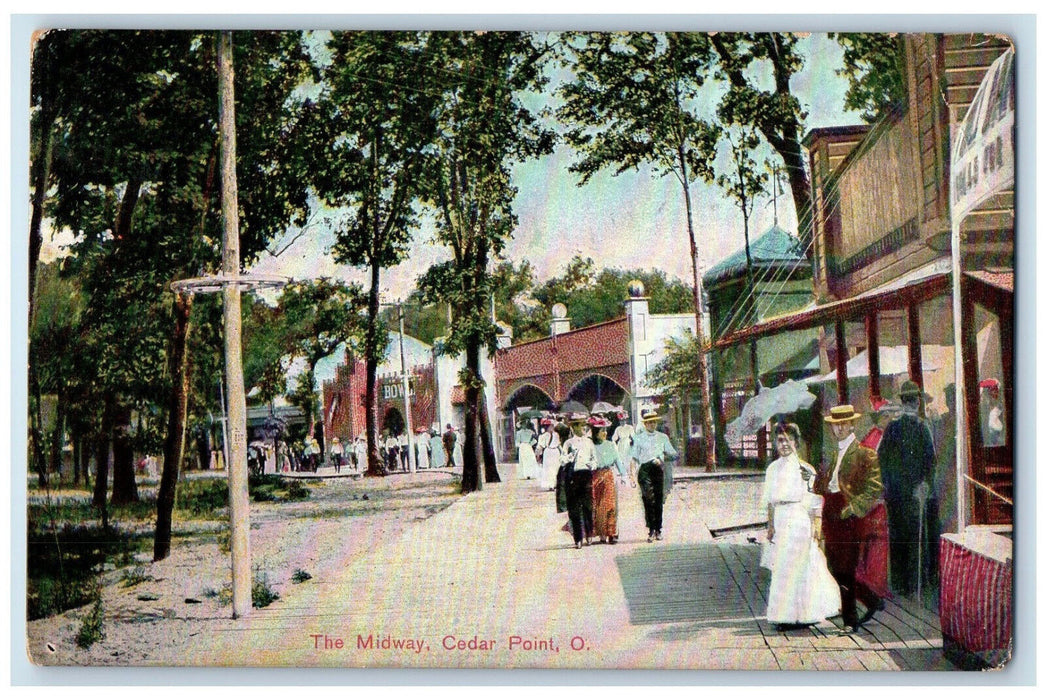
(913, 273)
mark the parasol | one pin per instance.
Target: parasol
(788, 397)
(573, 407)
(603, 407)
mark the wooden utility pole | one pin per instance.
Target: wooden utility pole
(239, 518)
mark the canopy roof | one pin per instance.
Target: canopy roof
(776, 247)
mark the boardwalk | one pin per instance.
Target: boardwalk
(493, 582)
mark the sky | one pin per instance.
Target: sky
(630, 221)
(634, 220)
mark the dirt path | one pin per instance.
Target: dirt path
(156, 620)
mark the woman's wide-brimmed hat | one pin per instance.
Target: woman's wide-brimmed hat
(547, 421)
(649, 414)
(842, 414)
(578, 417)
(599, 422)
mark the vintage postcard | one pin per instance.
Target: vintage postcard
(521, 349)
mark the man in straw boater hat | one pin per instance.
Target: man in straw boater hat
(854, 520)
(580, 453)
(907, 461)
(651, 450)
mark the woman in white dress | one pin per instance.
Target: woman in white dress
(549, 452)
(421, 449)
(623, 439)
(802, 590)
(526, 464)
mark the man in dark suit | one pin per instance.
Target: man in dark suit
(907, 460)
(854, 520)
(449, 439)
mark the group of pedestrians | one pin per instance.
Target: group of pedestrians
(871, 508)
(576, 459)
(432, 450)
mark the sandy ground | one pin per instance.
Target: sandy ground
(150, 622)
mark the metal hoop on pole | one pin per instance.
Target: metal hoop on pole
(216, 283)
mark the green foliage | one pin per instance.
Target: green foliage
(262, 595)
(272, 487)
(62, 564)
(635, 99)
(482, 128)
(678, 371)
(296, 492)
(875, 69)
(300, 576)
(594, 297)
(135, 576)
(134, 173)
(201, 498)
(92, 626)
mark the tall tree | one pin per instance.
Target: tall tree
(483, 128)
(134, 173)
(743, 184)
(635, 100)
(376, 122)
(776, 113)
(316, 318)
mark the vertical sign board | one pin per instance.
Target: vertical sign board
(981, 166)
(983, 145)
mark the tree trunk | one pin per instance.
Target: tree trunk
(174, 442)
(704, 408)
(375, 467)
(41, 174)
(36, 428)
(78, 471)
(125, 490)
(57, 435)
(491, 475)
(471, 480)
(102, 458)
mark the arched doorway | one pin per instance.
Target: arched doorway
(597, 387)
(393, 421)
(526, 397)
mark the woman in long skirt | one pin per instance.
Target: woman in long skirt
(802, 590)
(527, 465)
(622, 437)
(609, 469)
(437, 456)
(421, 448)
(549, 451)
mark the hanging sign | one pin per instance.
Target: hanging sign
(983, 146)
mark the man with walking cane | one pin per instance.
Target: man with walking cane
(907, 462)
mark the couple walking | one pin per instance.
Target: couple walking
(845, 510)
(593, 465)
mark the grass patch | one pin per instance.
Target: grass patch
(62, 565)
(200, 498)
(262, 594)
(135, 576)
(300, 576)
(274, 488)
(92, 627)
